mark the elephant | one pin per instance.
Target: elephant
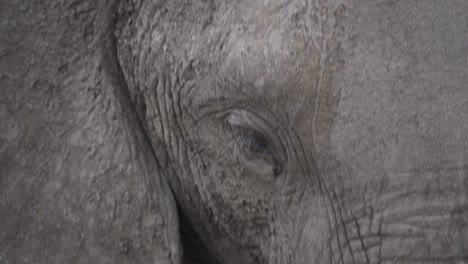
(216, 131)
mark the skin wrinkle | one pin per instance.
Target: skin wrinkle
(323, 187)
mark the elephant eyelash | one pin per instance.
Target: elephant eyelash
(251, 141)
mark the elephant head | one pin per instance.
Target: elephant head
(306, 131)
(179, 131)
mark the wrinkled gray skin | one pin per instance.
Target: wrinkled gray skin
(286, 131)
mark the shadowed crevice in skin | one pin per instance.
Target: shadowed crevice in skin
(194, 250)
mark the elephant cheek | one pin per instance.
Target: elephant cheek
(302, 232)
(314, 241)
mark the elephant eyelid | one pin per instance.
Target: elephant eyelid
(247, 120)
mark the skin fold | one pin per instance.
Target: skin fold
(178, 131)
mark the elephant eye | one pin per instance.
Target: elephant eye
(251, 144)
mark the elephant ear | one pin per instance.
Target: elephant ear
(79, 182)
